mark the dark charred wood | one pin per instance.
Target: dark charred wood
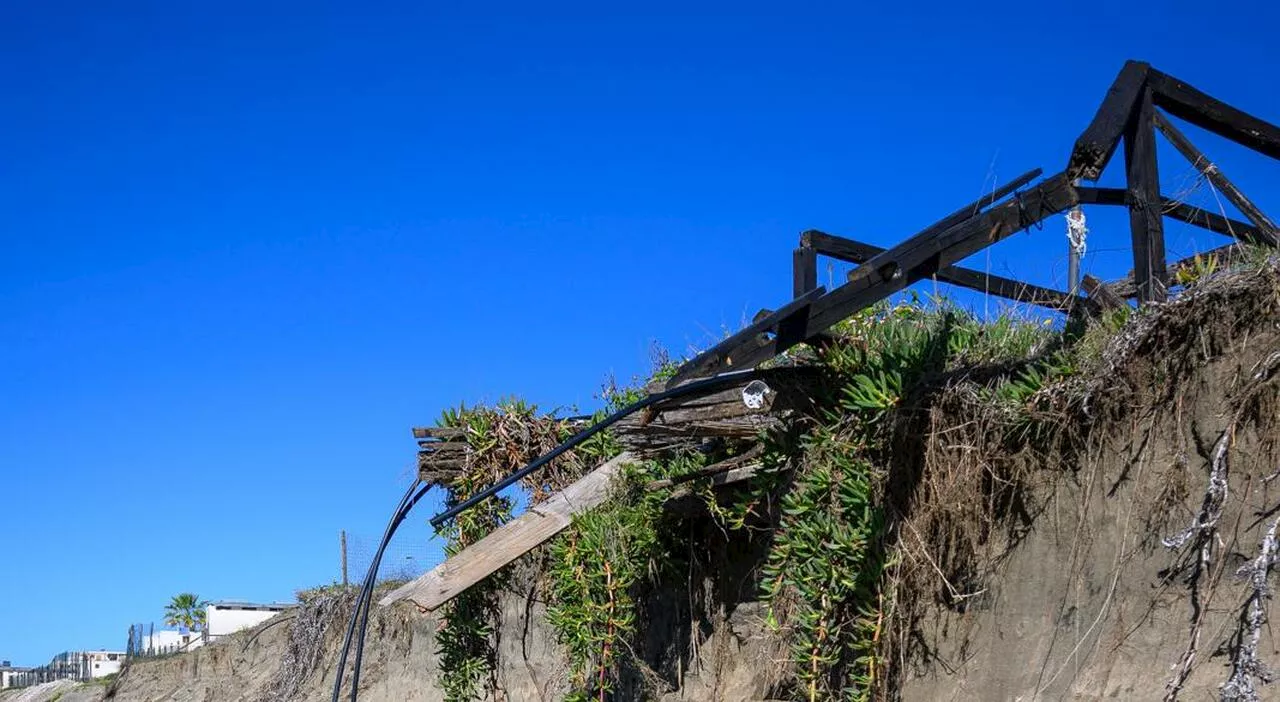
(917, 259)
(1018, 291)
(1219, 179)
(721, 357)
(1146, 225)
(804, 271)
(1185, 102)
(906, 263)
(1102, 196)
(1217, 223)
(960, 216)
(1223, 255)
(1096, 145)
(1182, 212)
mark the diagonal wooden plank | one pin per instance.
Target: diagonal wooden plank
(1182, 212)
(510, 541)
(1215, 222)
(915, 260)
(721, 357)
(1186, 102)
(963, 214)
(1219, 179)
(1097, 143)
(858, 252)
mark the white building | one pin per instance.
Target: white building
(171, 641)
(9, 675)
(87, 664)
(229, 617)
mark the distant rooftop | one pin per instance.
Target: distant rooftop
(235, 604)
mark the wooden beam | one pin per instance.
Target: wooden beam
(858, 252)
(1219, 179)
(1185, 102)
(1183, 213)
(1215, 222)
(722, 356)
(913, 260)
(963, 214)
(510, 541)
(1096, 145)
(804, 271)
(1102, 196)
(1100, 293)
(747, 459)
(1146, 226)
(1225, 255)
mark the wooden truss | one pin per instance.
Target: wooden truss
(1131, 114)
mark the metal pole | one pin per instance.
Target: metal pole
(1073, 252)
(342, 539)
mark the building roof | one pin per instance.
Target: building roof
(234, 604)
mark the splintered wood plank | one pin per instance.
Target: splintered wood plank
(1185, 102)
(510, 541)
(1146, 226)
(1098, 142)
(1219, 179)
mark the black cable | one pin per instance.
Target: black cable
(695, 386)
(360, 614)
(366, 588)
(371, 584)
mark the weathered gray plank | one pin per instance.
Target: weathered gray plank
(510, 541)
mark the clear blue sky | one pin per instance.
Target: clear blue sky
(247, 247)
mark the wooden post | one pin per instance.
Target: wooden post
(342, 541)
(804, 271)
(1146, 226)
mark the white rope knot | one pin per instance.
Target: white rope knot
(1077, 232)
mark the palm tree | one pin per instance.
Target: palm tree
(186, 609)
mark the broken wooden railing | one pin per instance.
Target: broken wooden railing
(1130, 115)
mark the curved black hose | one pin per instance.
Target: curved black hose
(366, 590)
(370, 583)
(360, 615)
(703, 384)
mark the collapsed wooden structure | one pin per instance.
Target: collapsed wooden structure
(1133, 111)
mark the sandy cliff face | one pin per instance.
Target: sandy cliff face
(1140, 568)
